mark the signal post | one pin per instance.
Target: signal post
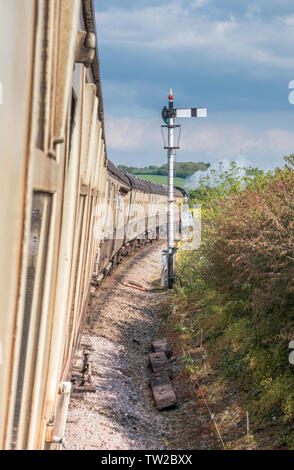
(168, 116)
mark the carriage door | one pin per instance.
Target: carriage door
(42, 232)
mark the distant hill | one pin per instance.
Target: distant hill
(162, 179)
(182, 169)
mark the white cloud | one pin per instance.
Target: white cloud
(130, 134)
(173, 27)
(198, 3)
(289, 20)
(252, 12)
(263, 148)
(210, 142)
(260, 45)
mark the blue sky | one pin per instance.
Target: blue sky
(235, 57)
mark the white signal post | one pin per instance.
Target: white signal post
(170, 216)
(168, 115)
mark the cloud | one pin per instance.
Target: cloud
(173, 27)
(260, 147)
(198, 3)
(229, 56)
(209, 142)
(125, 133)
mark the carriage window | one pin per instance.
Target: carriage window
(72, 121)
(48, 19)
(43, 80)
(35, 279)
(70, 126)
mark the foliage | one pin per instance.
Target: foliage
(241, 285)
(182, 169)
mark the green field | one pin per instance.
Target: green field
(162, 179)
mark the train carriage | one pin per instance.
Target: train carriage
(117, 211)
(138, 216)
(50, 159)
(61, 198)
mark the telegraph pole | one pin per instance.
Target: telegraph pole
(168, 116)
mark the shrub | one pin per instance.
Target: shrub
(242, 278)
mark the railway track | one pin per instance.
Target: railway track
(121, 323)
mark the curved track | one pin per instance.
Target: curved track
(120, 326)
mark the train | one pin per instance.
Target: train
(68, 214)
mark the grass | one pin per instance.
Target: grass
(179, 325)
(238, 289)
(162, 179)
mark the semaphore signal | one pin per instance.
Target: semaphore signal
(168, 115)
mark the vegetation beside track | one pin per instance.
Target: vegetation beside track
(182, 169)
(238, 290)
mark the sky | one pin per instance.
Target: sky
(235, 57)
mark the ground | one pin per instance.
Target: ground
(120, 326)
(121, 414)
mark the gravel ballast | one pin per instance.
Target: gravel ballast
(120, 326)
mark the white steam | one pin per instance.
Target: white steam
(216, 170)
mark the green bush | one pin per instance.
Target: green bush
(241, 285)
